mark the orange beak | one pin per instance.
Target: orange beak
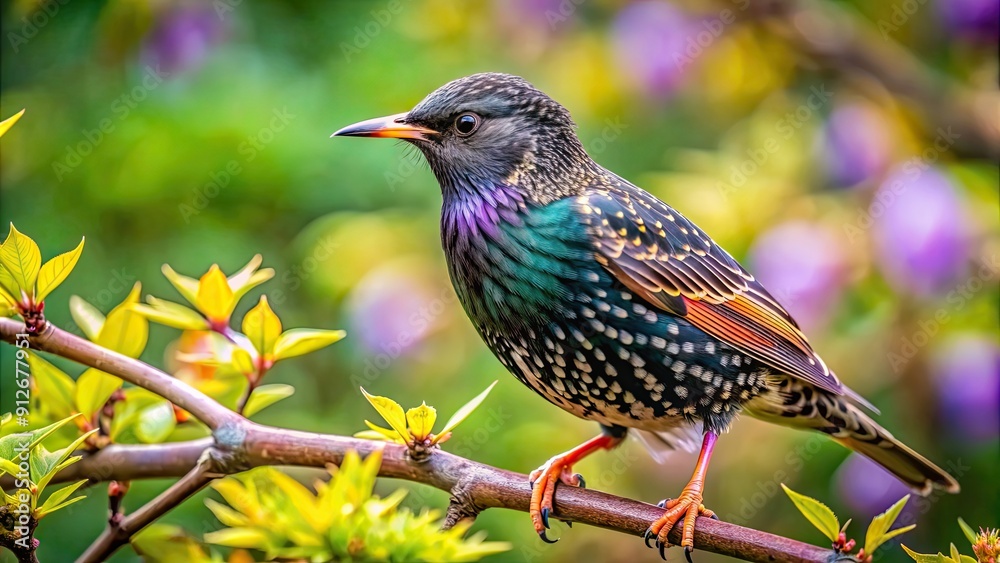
(393, 127)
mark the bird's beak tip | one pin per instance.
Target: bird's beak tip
(392, 126)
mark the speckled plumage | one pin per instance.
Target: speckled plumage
(608, 302)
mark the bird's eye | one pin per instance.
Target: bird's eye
(467, 123)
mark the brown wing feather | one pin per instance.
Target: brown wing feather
(659, 254)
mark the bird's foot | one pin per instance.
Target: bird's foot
(687, 508)
(543, 486)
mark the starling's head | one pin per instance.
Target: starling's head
(486, 130)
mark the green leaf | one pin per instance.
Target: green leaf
(970, 534)
(421, 420)
(155, 423)
(86, 316)
(55, 271)
(49, 464)
(20, 255)
(265, 396)
(817, 513)
(55, 500)
(262, 326)
(298, 341)
(171, 314)
(56, 390)
(9, 122)
(93, 389)
(878, 530)
(464, 412)
(125, 331)
(391, 412)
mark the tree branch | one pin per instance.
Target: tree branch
(240, 444)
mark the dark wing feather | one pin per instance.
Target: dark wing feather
(660, 255)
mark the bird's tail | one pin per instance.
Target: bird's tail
(798, 404)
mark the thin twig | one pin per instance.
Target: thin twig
(119, 533)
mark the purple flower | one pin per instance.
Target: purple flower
(391, 309)
(649, 39)
(974, 19)
(967, 374)
(803, 266)
(868, 489)
(855, 144)
(919, 230)
(182, 38)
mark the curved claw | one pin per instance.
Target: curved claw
(545, 518)
(582, 483)
(714, 516)
(568, 523)
(546, 538)
(662, 503)
(646, 537)
(663, 550)
(687, 554)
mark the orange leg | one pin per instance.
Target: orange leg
(560, 469)
(686, 507)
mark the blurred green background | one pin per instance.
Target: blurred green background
(845, 152)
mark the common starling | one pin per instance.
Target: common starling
(612, 305)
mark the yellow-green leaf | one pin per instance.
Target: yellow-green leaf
(125, 331)
(86, 316)
(9, 292)
(215, 297)
(817, 513)
(20, 255)
(464, 412)
(386, 433)
(391, 412)
(970, 534)
(250, 538)
(93, 389)
(187, 287)
(171, 314)
(56, 270)
(56, 499)
(262, 326)
(9, 122)
(242, 361)
(878, 530)
(155, 423)
(56, 390)
(249, 277)
(926, 558)
(265, 396)
(298, 341)
(421, 420)
(226, 515)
